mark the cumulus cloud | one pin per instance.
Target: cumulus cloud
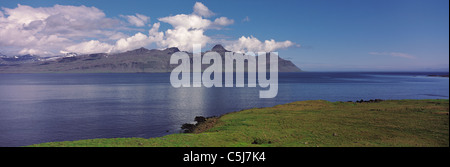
(246, 44)
(45, 30)
(187, 21)
(223, 21)
(123, 44)
(393, 54)
(154, 33)
(189, 29)
(139, 20)
(202, 10)
(183, 38)
(92, 46)
(133, 42)
(62, 29)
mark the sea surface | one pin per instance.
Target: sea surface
(37, 108)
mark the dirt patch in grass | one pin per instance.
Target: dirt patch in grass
(206, 125)
(203, 124)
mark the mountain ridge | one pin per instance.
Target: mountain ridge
(133, 61)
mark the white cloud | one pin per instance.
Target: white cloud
(202, 10)
(123, 44)
(393, 54)
(223, 21)
(189, 29)
(46, 30)
(139, 20)
(33, 51)
(136, 41)
(245, 44)
(246, 19)
(92, 46)
(272, 45)
(184, 38)
(61, 29)
(116, 36)
(154, 33)
(187, 21)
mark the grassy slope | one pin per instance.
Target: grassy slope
(311, 124)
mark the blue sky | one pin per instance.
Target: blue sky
(326, 35)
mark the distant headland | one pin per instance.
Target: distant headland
(134, 61)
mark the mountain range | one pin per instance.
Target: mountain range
(138, 60)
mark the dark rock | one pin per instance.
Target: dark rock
(199, 119)
(369, 101)
(378, 100)
(188, 128)
(261, 141)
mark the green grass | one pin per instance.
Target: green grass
(396, 123)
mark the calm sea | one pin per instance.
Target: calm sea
(37, 108)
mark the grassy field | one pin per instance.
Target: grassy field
(397, 123)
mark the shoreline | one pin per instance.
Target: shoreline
(391, 123)
(443, 76)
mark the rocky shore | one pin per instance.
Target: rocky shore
(445, 75)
